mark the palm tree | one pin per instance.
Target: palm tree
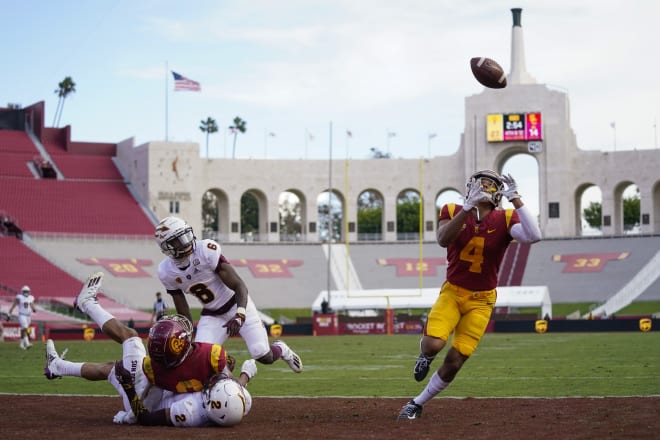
(209, 126)
(238, 126)
(65, 87)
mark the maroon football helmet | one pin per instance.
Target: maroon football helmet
(170, 340)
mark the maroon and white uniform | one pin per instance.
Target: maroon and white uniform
(218, 303)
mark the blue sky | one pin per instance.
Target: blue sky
(291, 67)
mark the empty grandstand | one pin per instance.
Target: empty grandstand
(70, 208)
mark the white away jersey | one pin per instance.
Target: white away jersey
(25, 304)
(199, 278)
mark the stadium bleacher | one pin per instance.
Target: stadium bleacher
(77, 166)
(16, 141)
(75, 207)
(92, 199)
(88, 221)
(19, 265)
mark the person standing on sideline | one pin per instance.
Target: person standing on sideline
(25, 303)
(160, 308)
(200, 269)
(476, 236)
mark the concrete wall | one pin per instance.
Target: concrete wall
(165, 173)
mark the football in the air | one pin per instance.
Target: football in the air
(488, 72)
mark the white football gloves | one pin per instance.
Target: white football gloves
(474, 195)
(250, 368)
(511, 190)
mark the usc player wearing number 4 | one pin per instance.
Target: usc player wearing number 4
(476, 236)
(200, 269)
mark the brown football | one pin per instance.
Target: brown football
(488, 72)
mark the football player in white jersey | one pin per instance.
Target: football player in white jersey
(224, 401)
(198, 374)
(25, 303)
(200, 269)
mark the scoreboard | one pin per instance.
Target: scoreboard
(506, 127)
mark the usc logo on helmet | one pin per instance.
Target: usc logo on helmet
(177, 345)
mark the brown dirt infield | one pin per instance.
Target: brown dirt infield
(90, 418)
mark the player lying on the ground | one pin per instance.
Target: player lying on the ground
(175, 363)
(223, 401)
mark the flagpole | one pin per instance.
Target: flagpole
(420, 264)
(329, 210)
(346, 221)
(166, 109)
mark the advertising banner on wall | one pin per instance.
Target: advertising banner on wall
(12, 332)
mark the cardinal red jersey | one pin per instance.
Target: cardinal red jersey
(473, 259)
(203, 362)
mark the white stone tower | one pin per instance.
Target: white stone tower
(518, 74)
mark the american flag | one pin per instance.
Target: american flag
(183, 83)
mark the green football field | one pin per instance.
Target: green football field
(505, 365)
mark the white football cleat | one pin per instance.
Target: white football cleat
(290, 357)
(51, 371)
(88, 293)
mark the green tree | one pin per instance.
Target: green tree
(407, 212)
(593, 214)
(631, 209)
(64, 89)
(290, 219)
(239, 126)
(330, 225)
(249, 214)
(209, 212)
(209, 126)
(407, 216)
(370, 220)
(370, 213)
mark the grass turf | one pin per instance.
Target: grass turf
(505, 365)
